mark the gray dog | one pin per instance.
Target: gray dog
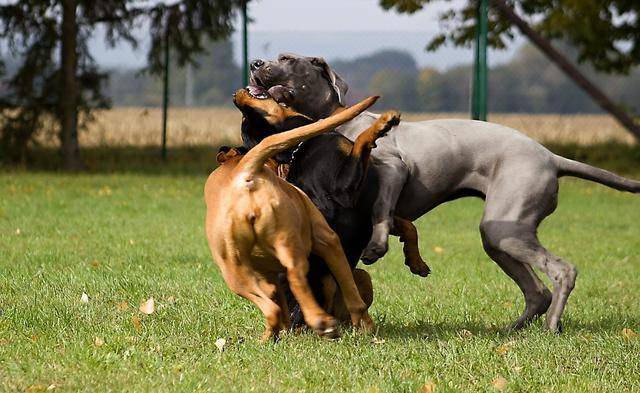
(424, 164)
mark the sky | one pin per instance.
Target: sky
(331, 28)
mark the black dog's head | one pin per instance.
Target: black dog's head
(307, 84)
(263, 116)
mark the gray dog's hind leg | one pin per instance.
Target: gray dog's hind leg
(509, 231)
(537, 296)
(392, 175)
(561, 273)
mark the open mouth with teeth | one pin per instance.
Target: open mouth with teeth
(258, 92)
(283, 95)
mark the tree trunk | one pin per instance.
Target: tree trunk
(69, 147)
(569, 69)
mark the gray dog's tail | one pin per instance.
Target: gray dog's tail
(567, 167)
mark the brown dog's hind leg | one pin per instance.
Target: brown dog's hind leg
(409, 237)
(365, 288)
(297, 265)
(244, 282)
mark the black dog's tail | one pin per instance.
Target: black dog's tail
(567, 167)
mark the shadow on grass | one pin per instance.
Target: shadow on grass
(195, 160)
(610, 324)
(618, 157)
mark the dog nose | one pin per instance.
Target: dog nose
(256, 64)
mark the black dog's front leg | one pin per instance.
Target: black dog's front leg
(392, 174)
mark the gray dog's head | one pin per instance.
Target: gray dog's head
(307, 84)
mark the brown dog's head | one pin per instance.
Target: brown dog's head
(263, 116)
(305, 83)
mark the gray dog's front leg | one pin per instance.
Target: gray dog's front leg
(393, 173)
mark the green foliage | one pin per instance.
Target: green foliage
(359, 71)
(33, 92)
(529, 83)
(33, 33)
(606, 33)
(397, 88)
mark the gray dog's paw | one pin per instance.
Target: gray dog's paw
(373, 252)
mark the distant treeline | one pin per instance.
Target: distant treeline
(528, 83)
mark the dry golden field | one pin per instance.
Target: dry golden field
(210, 126)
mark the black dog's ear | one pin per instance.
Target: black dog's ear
(338, 84)
(295, 121)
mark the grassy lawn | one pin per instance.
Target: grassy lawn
(124, 238)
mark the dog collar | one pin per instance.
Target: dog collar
(293, 153)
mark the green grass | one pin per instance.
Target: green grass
(127, 237)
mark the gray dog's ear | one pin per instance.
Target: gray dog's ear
(338, 84)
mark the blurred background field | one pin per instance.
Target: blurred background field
(211, 126)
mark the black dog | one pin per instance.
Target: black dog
(335, 174)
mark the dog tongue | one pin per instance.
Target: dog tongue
(281, 94)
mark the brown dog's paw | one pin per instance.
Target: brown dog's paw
(418, 266)
(390, 119)
(365, 323)
(327, 327)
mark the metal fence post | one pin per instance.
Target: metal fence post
(165, 94)
(480, 90)
(245, 46)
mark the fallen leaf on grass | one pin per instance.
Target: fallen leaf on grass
(499, 383)
(177, 369)
(438, 250)
(137, 325)
(98, 342)
(84, 298)
(628, 334)
(105, 191)
(502, 349)
(377, 340)
(122, 306)
(220, 344)
(36, 388)
(148, 307)
(428, 387)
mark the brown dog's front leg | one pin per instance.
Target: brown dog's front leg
(409, 237)
(326, 245)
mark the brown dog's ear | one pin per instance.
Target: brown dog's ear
(226, 152)
(338, 84)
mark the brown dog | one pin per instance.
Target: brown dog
(258, 225)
